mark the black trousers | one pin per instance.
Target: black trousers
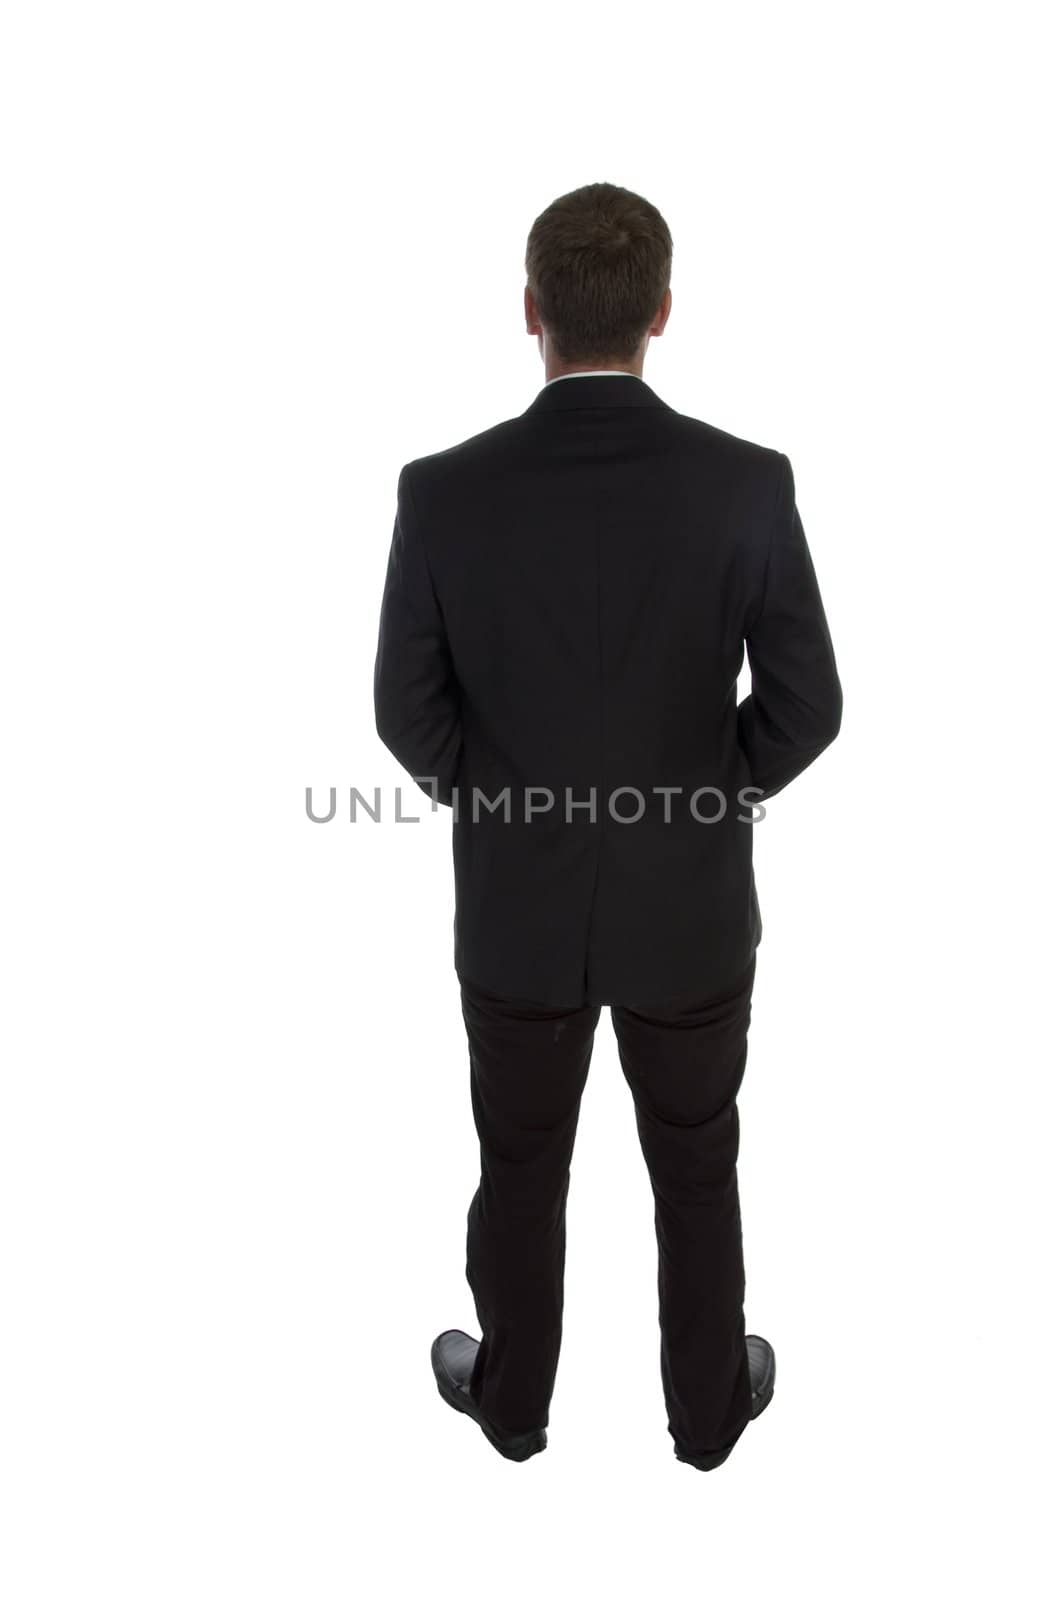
(528, 1069)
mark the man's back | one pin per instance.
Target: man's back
(565, 614)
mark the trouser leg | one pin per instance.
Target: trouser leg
(684, 1070)
(528, 1067)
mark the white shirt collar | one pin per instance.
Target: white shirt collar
(599, 372)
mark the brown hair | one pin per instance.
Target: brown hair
(598, 263)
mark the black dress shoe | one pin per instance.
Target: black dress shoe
(762, 1360)
(453, 1354)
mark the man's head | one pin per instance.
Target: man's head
(598, 264)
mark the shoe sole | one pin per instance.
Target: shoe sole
(519, 1448)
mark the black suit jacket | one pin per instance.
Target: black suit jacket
(567, 601)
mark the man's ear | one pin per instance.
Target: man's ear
(532, 322)
(661, 316)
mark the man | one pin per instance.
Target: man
(567, 602)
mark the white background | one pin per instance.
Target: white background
(255, 259)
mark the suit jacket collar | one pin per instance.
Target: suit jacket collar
(579, 393)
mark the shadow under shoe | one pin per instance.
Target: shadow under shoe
(762, 1359)
(453, 1355)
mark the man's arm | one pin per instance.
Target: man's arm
(415, 693)
(794, 709)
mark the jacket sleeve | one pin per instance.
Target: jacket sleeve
(794, 709)
(415, 693)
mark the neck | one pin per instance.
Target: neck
(560, 369)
